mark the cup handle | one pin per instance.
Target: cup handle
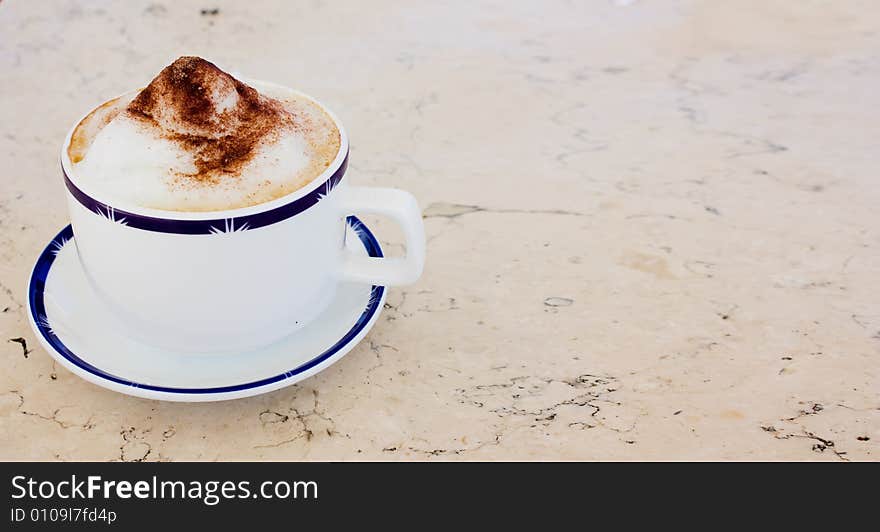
(401, 207)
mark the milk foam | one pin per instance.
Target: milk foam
(173, 158)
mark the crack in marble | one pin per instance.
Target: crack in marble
(815, 409)
(270, 416)
(764, 146)
(87, 425)
(457, 451)
(785, 74)
(456, 210)
(452, 305)
(10, 294)
(376, 349)
(701, 268)
(441, 451)
(693, 115)
(592, 391)
(134, 448)
(821, 444)
(658, 215)
(304, 418)
(24, 346)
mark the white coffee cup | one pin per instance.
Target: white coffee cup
(238, 279)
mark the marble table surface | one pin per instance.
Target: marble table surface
(653, 227)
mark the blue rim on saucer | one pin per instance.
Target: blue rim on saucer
(37, 287)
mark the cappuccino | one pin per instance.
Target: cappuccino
(197, 139)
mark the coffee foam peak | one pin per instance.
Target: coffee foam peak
(197, 139)
(212, 115)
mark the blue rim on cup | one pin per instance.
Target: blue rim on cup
(209, 226)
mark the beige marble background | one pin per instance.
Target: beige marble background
(653, 226)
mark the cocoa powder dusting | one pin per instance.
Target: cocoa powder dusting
(215, 117)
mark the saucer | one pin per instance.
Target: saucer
(77, 331)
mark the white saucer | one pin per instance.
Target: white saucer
(74, 328)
